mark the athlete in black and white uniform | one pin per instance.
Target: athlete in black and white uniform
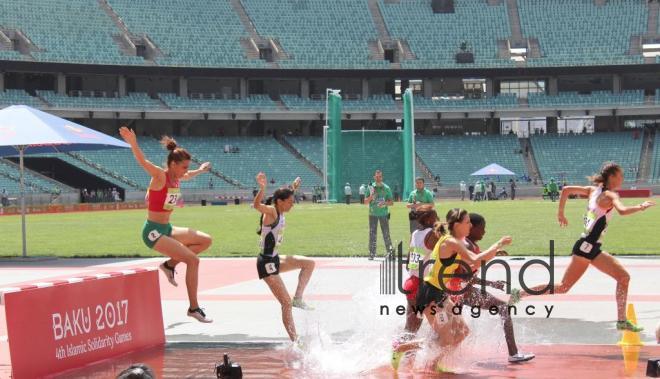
(269, 262)
(587, 250)
(595, 224)
(272, 236)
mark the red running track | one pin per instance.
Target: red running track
(552, 362)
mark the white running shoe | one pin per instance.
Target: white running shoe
(521, 357)
(169, 273)
(199, 315)
(299, 303)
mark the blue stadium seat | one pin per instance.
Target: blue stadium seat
(580, 33)
(577, 156)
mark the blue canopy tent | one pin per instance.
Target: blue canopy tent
(26, 130)
(493, 169)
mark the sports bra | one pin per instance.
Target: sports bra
(166, 198)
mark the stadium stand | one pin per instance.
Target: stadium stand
(313, 41)
(254, 154)
(577, 156)
(11, 55)
(500, 101)
(373, 103)
(296, 103)
(10, 179)
(16, 97)
(131, 101)
(252, 103)
(94, 168)
(436, 38)
(189, 32)
(579, 32)
(596, 98)
(311, 148)
(454, 158)
(655, 162)
(69, 31)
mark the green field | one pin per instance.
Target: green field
(319, 230)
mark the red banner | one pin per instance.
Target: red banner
(68, 324)
(644, 192)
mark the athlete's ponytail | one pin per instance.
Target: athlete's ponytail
(453, 216)
(440, 228)
(168, 143)
(608, 169)
(176, 154)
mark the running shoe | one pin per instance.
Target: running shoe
(396, 358)
(199, 315)
(629, 326)
(169, 273)
(299, 303)
(521, 357)
(440, 368)
(396, 355)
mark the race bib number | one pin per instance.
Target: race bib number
(172, 199)
(586, 247)
(589, 220)
(415, 257)
(441, 317)
(154, 235)
(271, 268)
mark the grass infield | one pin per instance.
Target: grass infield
(321, 230)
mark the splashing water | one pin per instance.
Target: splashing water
(364, 345)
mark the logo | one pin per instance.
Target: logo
(391, 277)
(73, 128)
(81, 132)
(388, 272)
(391, 273)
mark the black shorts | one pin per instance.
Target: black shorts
(585, 249)
(268, 265)
(428, 293)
